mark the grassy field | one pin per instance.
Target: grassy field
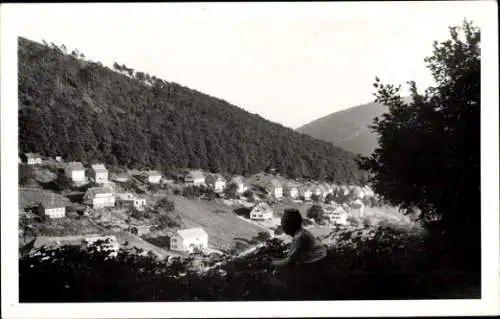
(33, 196)
(221, 224)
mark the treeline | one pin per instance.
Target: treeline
(85, 111)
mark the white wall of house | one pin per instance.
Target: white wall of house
(258, 215)
(278, 192)
(103, 200)
(179, 243)
(241, 188)
(34, 161)
(155, 179)
(101, 177)
(219, 186)
(56, 212)
(77, 175)
(307, 195)
(293, 193)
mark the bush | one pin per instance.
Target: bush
(315, 212)
(165, 204)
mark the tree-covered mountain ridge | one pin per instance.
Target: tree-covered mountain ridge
(82, 110)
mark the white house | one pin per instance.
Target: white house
(99, 173)
(241, 187)
(52, 209)
(195, 178)
(274, 188)
(58, 158)
(357, 193)
(305, 192)
(358, 206)
(33, 159)
(336, 215)
(291, 190)
(132, 200)
(99, 197)
(154, 177)
(216, 182)
(76, 172)
(186, 240)
(261, 211)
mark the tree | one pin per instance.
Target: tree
(232, 190)
(429, 147)
(315, 212)
(315, 198)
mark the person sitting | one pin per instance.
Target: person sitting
(305, 255)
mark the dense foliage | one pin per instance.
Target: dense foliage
(84, 111)
(382, 264)
(429, 154)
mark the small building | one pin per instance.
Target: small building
(76, 172)
(358, 206)
(99, 197)
(217, 182)
(305, 192)
(274, 188)
(186, 240)
(33, 158)
(328, 189)
(261, 211)
(154, 177)
(99, 173)
(58, 159)
(195, 178)
(52, 209)
(291, 190)
(241, 187)
(132, 200)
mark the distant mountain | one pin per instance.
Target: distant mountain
(82, 110)
(348, 128)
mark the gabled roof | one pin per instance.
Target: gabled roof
(196, 174)
(291, 185)
(263, 207)
(154, 173)
(218, 177)
(99, 168)
(49, 204)
(192, 233)
(75, 166)
(32, 155)
(273, 183)
(237, 180)
(98, 190)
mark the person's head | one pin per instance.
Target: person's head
(291, 221)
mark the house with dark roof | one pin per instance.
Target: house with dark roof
(216, 181)
(196, 178)
(99, 197)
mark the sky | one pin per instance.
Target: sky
(289, 62)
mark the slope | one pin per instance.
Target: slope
(82, 110)
(348, 128)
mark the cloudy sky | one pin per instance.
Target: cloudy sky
(289, 62)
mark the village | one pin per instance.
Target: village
(112, 203)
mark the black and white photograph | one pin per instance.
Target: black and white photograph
(250, 159)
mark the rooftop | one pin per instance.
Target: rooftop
(192, 232)
(75, 166)
(99, 167)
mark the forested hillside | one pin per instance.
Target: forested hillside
(82, 110)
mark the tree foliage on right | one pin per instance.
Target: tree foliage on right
(429, 147)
